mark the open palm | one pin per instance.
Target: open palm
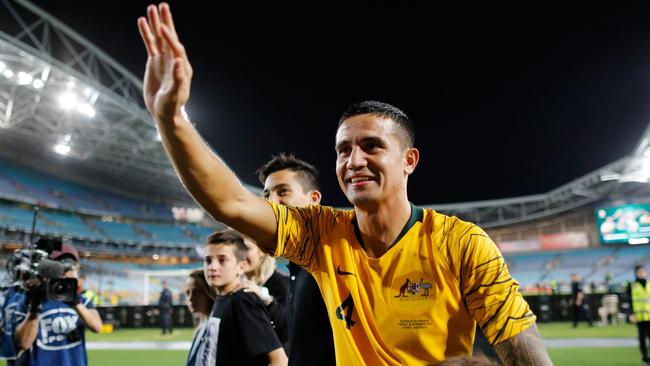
(168, 74)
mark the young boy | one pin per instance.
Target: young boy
(241, 327)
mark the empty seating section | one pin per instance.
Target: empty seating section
(167, 233)
(119, 231)
(15, 218)
(61, 223)
(26, 185)
(591, 265)
(202, 233)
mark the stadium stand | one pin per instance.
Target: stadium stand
(100, 222)
(30, 186)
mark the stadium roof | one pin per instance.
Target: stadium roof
(68, 108)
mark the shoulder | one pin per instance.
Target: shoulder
(312, 213)
(247, 303)
(245, 299)
(449, 229)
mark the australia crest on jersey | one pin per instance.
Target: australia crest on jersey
(412, 292)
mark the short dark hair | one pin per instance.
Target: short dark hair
(307, 173)
(638, 267)
(381, 109)
(230, 237)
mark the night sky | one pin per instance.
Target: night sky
(507, 101)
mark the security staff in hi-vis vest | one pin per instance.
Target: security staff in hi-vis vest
(640, 312)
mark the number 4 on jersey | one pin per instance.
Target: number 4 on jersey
(348, 307)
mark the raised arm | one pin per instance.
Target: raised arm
(526, 348)
(213, 185)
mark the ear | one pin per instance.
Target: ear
(412, 159)
(315, 197)
(243, 267)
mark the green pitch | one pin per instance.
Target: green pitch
(565, 330)
(624, 356)
(136, 358)
(141, 334)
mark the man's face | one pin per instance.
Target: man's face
(220, 266)
(641, 273)
(372, 165)
(285, 187)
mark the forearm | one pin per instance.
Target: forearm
(213, 185)
(27, 331)
(277, 357)
(90, 317)
(204, 175)
(526, 348)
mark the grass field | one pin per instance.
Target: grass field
(136, 358)
(142, 334)
(565, 330)
(621, 356)
(547, 330)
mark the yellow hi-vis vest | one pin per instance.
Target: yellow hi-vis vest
(641, 302)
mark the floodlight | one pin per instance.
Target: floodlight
(67, 101)
(62, 149)
(24, 78)
(86, 110)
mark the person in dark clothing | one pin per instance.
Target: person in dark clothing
(639, 295)
(293, 182)
(199, 299)
(578, 302)
(166, 308)
(270, 285)
(239, 323)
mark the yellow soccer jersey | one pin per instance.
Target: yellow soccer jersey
(416, 304)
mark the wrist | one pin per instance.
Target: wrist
(34, 308)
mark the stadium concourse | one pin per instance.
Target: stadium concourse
(101, 180)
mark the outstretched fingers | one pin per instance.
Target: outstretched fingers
(178, 50)
(166, 16)
(154, 26)
(147, 37)
(173, 43)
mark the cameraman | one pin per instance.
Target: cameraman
(54, 330)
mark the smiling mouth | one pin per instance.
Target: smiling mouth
(359, 181)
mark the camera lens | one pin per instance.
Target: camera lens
(62, 289)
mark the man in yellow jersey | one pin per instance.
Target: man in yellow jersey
(402, 285)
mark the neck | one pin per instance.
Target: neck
(229, 288)
(381, 224)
